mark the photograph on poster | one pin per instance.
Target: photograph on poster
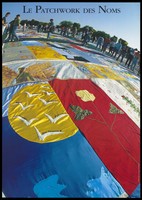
(71, 99)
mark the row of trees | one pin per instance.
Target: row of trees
(71, 25)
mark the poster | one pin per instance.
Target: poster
(71, 100)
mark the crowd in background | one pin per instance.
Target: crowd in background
(130, 57)
(116, 50)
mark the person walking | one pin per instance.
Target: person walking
(86, 37)
(100, 42)
(10, 31)
(105, 44)
(4, 27)
(111, 46)
(135, 60)
(5, 24)
(117, 48)
(130, 56)
(122, 53)
(50, 28)
(16, 25)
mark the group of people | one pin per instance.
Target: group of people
(47, 28)
(9, 30)
(117, 51)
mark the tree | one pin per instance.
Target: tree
(93, 35)
(123, 42)
(114, 38)
(34, 22)
(89, 28)
(67, 24)
(43, 23)
(24, 22)
(76, 25)
(102, 34)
